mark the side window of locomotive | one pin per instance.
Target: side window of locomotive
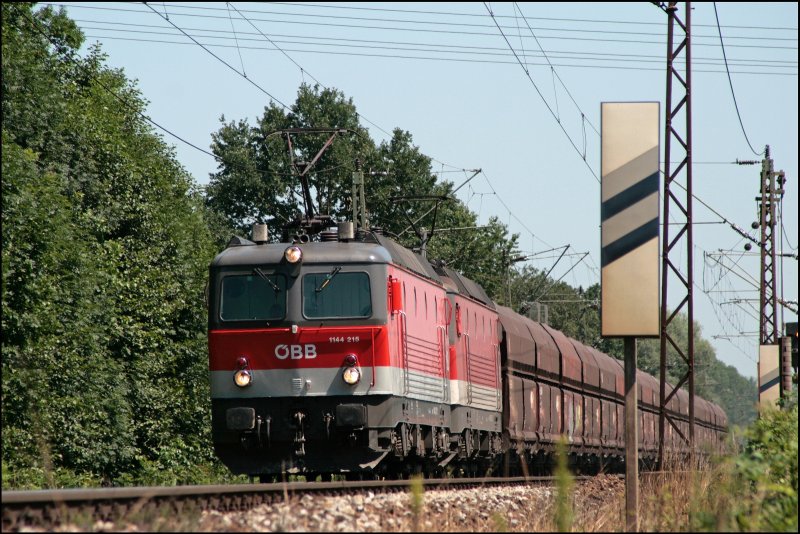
(345, 295)
(252, 298)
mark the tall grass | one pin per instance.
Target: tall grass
(749, 490)
(564, 485)
(751, 487)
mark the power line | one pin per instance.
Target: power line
(534, 236)
(486, 177)
(440, 31)
(562, 276)
(789, 243)
(716, 306)
(734, 226)
(234, 36)
(528, 74)
(583, 115)
(458, 60)
(220, 59)
(461, 48)
(275, 45)
(731, 84)
(336, 6)
(445, 23)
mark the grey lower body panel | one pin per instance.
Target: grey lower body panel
(463, 417)
(331, 434)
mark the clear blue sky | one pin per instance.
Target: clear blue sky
(445, 73)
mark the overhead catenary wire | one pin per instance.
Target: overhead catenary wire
(220, 59)
(528, 74)
(511, 214)
(595, 130)
(461, 48)
(340, 6)
(451, 32)
(252, 82)
(235, 37)
(478, 25)
(562, 276)
(717, 307)
(451, 59)
(131, 107)
(273, 43)
(735, 104)
(437, 22)
(583, 115)
(734, 226)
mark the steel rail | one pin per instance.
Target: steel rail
(52, 508)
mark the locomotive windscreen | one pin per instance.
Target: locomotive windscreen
(336, 295)
(253, 298)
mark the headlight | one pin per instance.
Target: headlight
(293, 254)
(242, 378)
(351, 375)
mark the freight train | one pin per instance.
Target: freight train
(347, 353)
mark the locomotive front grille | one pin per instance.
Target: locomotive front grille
(297, 385)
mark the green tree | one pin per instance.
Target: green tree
(256, 182)
(105, 251)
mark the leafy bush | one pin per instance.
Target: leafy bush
(757, 490)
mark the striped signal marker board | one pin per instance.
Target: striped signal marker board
(769, 377)
(629, 215)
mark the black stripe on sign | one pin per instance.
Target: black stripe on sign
(629, 242)
(771, 384)
(629, 197)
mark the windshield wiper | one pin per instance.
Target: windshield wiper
(328, 279)
(265, 277)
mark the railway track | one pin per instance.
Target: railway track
(49, 509)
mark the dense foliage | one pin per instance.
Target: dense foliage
(105, 251)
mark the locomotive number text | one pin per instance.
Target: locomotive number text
(344, 339)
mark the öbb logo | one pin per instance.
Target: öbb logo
(296, 352)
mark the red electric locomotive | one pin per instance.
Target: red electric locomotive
(348, 354)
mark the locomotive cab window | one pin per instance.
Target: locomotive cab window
(253, 297)
(336, 295)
